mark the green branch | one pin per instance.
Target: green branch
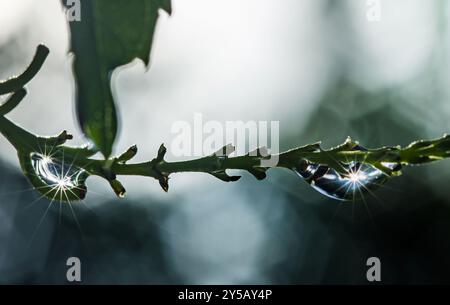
(387, 159)
(42, 158)
(16, 83)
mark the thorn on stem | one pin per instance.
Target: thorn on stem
(128, 155)
(161, 153)
(118, 188)
(164, 183)
(225, 151)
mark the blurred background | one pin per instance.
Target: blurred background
(322, 68)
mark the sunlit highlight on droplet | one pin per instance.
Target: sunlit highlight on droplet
(58, 175)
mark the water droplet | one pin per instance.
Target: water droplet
(54, 178)
(359, 178)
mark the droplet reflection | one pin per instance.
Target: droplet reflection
(58, 178)
(358, 179)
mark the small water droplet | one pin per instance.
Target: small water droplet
(54, 178)
(359, 178)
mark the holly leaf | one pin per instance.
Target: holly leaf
(108, 34)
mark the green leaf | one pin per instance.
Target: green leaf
(110, 34)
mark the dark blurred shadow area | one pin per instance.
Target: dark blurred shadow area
(118, 242)
(404, 223)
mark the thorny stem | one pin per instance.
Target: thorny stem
(387, 159)
(419, 152)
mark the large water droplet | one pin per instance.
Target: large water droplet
(54, 178)
(359, 178)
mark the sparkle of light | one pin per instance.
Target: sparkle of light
(61, 179)
(46, 159)
(356, 177)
